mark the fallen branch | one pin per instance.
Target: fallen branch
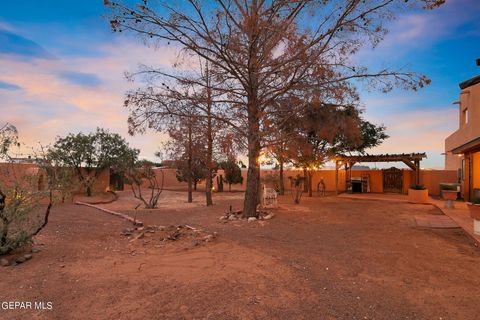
(118, 214)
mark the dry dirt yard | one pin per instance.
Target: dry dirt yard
(326, 258)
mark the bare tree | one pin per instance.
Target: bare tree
(190, 103)
(263, 50)
(145, 173)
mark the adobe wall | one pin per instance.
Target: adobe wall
(430, 178)
(11, 172)
(467, 130)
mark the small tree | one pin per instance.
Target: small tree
(196, 171)
(138, 175)
(297, 187)
(233, 173)
(90, 154)
(22, 197)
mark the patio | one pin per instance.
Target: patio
(459, 215)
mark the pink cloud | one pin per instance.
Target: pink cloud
(49, 105)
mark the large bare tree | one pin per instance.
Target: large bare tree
(262, 50)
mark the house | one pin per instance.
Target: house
(462, 148)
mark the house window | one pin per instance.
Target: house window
(465, 116)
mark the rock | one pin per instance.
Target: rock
(20, 259)
(252, 219)
(27, 256)
(223, 218)
(35, 250)
(208, 238)
(232, 217)
(127, 232)
(4, 262)
(268, 217)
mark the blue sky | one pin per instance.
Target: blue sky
(62, 71)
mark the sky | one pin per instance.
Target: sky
(62, 70)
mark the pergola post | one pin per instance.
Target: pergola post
(417, 172)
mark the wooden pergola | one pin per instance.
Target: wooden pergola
(412, 160)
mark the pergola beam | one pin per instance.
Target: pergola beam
(412, 160)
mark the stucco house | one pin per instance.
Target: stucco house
(462, 148)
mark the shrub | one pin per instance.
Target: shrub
(417, 187)
(144, 173)
(271, 180)
(448, 187)
(475, 201)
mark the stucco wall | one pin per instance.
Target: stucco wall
(469, 99)
(11, 172)
(430, 178)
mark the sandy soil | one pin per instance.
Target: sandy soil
(326, 258)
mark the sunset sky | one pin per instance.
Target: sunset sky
(61, 71)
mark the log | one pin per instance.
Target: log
(118, 214)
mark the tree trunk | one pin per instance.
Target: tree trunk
(253, 173)
(195, 185)
(189, 163)
(220, 183)
(252, 196)
(281, 184)
(310, 178)
(305, 182)
(4, 232)
(208, 176)
(89, 191)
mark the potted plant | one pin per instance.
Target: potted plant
(449, 193)
(474, 208)
(417, 193)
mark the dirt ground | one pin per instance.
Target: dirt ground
(326, 258)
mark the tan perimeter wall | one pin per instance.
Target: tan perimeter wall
(13, 172)
(430, 178)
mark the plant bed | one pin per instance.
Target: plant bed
(418, 194)
(449, 196)
(474, 208)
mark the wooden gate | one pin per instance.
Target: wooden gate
(392, 180)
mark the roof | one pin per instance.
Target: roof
(470, 82)
(470, 145)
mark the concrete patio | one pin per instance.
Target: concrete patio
(459, 215)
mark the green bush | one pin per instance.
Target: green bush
(475, 200)
(417, 187)
(448, 187)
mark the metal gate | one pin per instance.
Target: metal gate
(392, 180)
